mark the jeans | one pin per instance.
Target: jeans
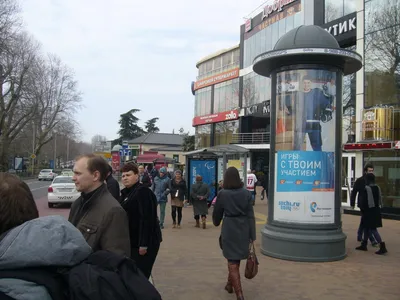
(371, 235)
(162, 212)
(174, 210)
(368, 232)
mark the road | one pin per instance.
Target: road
(39, 191)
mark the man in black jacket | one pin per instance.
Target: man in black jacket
(144, 178)
(359, 186)
(112, 184)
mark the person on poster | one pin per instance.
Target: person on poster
(317, 108)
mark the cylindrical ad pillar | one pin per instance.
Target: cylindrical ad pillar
(304, 203)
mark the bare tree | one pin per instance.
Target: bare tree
(97, 138)
(56, 93)
(9, 22)
(17, 108)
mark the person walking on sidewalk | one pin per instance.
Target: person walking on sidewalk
(199, 195)
(160, 188)
(144, 177)
(370, 202)
(96, 213)
(251, 184)
(235, 206)
(358, 188)
(141, 206)
(178, 193)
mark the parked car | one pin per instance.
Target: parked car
(62, 190)
(47, 174)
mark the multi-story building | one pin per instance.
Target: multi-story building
(371, 97)
(216, 92)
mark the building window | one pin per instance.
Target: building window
(382, 53)
(226, 95)
(224, 132)
(202, 102)
(335, 9)
(387, 172)
(203, 136)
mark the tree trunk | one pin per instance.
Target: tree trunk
(4, 145)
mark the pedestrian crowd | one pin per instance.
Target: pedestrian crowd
(108, 246)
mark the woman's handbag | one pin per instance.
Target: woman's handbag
(252, 263)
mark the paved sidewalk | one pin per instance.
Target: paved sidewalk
(190, 265)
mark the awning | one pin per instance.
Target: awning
(149, 158)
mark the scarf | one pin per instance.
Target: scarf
(370, 196)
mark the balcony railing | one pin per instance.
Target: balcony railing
(251, 138)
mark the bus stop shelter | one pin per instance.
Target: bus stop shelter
(212, 162)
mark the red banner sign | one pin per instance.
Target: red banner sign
(115, 161)
(216, 118)
(234, 73)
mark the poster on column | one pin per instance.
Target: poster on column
(305, 145)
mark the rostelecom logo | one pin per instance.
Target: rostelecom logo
(313, 206)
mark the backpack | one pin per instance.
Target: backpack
(102, 276)
(105, 276)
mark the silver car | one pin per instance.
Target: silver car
(62, 190)
(47, 174)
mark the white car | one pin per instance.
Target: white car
(46, 174)
(62, 190)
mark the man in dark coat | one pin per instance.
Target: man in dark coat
(358, 188)
(144, 177)
(112, 184)
(97, 214)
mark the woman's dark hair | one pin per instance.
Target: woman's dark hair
(232, 179)
(130, 167)
(17, 205)
(370, 178)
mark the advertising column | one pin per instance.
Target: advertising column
(305, 147)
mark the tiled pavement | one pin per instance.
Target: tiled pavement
(190, 265)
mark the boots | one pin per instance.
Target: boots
(382, 249)
(174, 225)
(203, 222)
(228, 286)
(197, 223)
(363, 246)
(234, 276)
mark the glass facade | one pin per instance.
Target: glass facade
(202, 102)
(257, 89)
(382, 53)
(335, 9)
(387, 171)
(203, 136)
(219, 64)
(224, 132)
(226, 95)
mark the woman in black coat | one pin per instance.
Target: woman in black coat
(370, 202)
(178, 193)
(235, 205)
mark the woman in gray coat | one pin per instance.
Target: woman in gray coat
(235, 205)
(199, 195)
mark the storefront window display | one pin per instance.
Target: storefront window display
(203, 136)
(202, 102)
(387, 171)
(226, 95)
(381, 53)
(224, 132)
(335, 9)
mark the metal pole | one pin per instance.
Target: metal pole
(33, 146)
(67, 149)
(55, 149)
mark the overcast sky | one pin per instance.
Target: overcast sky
(135, 54)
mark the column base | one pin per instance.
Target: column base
(303, 245)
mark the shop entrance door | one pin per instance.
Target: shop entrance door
(348, 176)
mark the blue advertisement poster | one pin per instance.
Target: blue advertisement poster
(208, 170)
(305, 171)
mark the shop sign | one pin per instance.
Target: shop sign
(342, 27)
(216, 118)
(234, 73)
(277, 6)
(260, 109)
